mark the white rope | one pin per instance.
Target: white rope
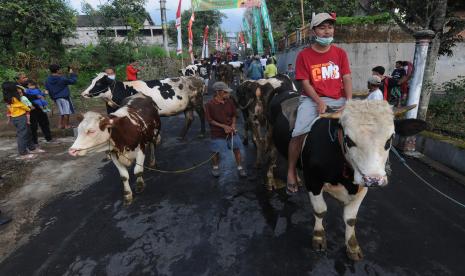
(403, 161)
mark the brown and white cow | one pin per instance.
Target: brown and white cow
(125, 133)
(172, 95)
(253, 97)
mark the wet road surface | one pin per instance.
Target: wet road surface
(195, 224)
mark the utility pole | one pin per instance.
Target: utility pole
(164, 26)
(302, 12)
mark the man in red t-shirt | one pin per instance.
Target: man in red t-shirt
(324, 72)
(131, 71)
(220, 113)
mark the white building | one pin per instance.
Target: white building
(90, 28)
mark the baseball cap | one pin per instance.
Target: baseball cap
(219, 85)
(374, 80)
(319, 18)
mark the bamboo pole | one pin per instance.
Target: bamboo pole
(302, 13)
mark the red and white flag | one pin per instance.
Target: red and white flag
(178, 27)
(221, 42)
(205, 43)
(216, 41)
(191, 37)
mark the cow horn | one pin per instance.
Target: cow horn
(331, 115)
(398, 111)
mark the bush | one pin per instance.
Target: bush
(359, 20)
(446, 113)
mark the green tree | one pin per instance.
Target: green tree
(33, 26)
(127, 13)
(286, 15)
(211, 18)
(438, 16)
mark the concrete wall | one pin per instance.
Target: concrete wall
(364, 56)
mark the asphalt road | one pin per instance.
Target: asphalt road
(195, 224)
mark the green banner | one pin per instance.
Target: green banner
(267, 24)
(248, 32)
(258, 30)
(205, 5)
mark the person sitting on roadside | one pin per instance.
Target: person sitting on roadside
(220, 113)
(384, 86)
(270, 69)
(373, 89)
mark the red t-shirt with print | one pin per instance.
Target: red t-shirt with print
(323, 70)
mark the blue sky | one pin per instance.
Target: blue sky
(231, 24)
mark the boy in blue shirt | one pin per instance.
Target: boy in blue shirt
(40, 101)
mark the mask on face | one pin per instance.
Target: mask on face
(111, 77)
(324, 41)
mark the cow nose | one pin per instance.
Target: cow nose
(376, 181)
(73, 152)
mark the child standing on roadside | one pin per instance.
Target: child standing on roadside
(26, 102)
(17, 114)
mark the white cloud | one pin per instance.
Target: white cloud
(230, 24)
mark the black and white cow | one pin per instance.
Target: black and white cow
(126, 133)
(172, 95)
(342, 157)
(190, 70)
(252, 98)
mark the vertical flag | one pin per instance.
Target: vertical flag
(221, 42)
(248, 31)
(205, 43)
(191, 37)
(258, 28)
(216, 40)
(178, 27)
(267, 24)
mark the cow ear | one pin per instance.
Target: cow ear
(106, 122)
(409, 127)
(79, 117)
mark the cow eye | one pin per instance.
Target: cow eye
(349, 143)
(90, 131)
(388, 144)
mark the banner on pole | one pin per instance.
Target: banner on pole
(258, 28)
(205, 43)
(267, 24)
(191, 37)
(205, 5)
(248, 31)
(178, 28)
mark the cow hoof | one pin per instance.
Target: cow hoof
(152, 164)
(355, 254)
(319, 240)
(127, 199)
(140, 186)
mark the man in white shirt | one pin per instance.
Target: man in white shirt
(263, 62)
(373, 86)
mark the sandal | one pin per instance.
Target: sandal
(26, 156)
(292, 186)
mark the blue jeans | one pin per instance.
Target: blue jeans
(219, 144)
(23, 134)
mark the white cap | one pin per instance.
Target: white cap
(320, 18)
(374, 80)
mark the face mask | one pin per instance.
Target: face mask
(111, 77)
(324, 41)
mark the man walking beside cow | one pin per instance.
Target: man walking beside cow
(324, 72)
(221, 115)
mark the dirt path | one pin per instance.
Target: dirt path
(27, 186)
